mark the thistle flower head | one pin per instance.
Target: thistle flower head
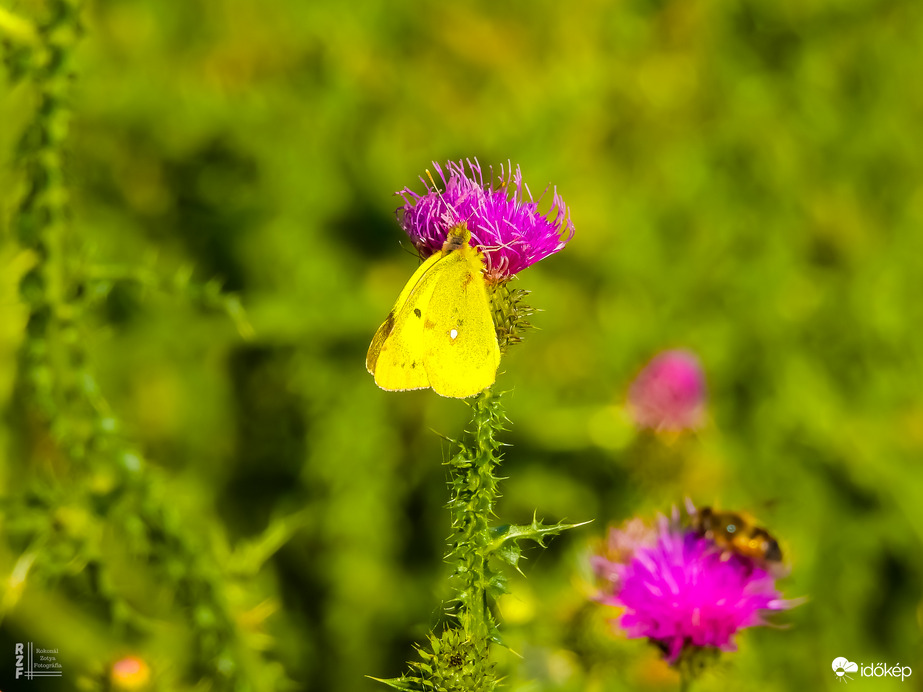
(681, 592)
(504, 221)
(669, 393)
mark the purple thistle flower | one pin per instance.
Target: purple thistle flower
(669, 393)
(504, 225)
(683, 593)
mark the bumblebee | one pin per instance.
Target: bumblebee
(736, 532)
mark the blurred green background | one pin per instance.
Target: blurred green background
(746, 181)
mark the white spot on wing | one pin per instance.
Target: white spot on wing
(453, 334)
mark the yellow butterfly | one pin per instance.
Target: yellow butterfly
(440, 332)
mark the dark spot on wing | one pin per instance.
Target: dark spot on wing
(416, 311)
(388, 324)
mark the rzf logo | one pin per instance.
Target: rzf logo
(31, 663)
(19, 657)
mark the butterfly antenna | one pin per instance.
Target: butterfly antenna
(414, 251)
(454, 216)
(504, 260)
(508, 245)
(432, 182)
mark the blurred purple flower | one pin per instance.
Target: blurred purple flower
(508, 228)
(669, 393)
(681, 592)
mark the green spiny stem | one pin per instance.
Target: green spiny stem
(458, 658)
(474, 494)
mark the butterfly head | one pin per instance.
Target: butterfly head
(457, 237)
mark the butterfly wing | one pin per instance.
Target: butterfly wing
(460, 351)
(395, 356)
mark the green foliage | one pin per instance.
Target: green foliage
(453, 663)
(99, 491)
